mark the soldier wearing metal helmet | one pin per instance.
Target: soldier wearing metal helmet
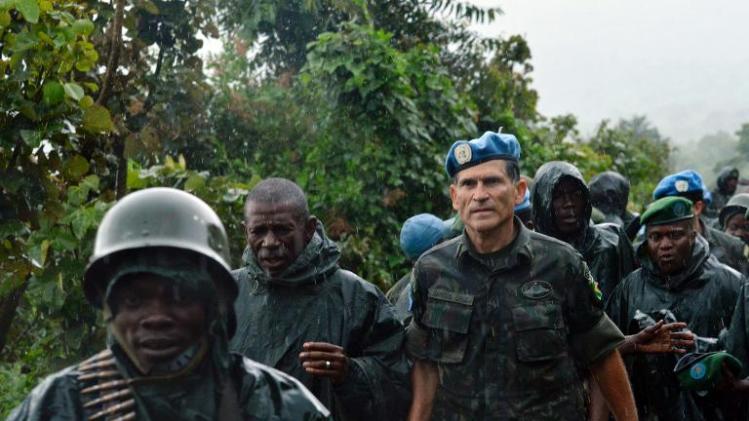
(160, 273)
(732, 220)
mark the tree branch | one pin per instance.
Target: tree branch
(115, 45)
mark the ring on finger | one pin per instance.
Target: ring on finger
(327, 364)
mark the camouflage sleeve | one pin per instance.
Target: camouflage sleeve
(592, 333)
(417, 334)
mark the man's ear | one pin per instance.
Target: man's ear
(698, 207)
(309, 228)
(454, 195)
(520, 189)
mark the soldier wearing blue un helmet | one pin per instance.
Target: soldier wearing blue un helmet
(689, 184)
(418, 234)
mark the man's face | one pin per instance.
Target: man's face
(731, 184)
(156, 320)
(276, 234)
(568, 202)
(737, 226)
(484, 196)
(670, 245)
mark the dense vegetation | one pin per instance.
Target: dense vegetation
(357, 101)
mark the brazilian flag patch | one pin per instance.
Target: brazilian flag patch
(592, 283)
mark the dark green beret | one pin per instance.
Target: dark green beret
(704, 371)
(667, 210)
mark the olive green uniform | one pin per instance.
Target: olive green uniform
(507, 329)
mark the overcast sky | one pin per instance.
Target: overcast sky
(683, 63)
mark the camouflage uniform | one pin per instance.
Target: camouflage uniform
(506, 329)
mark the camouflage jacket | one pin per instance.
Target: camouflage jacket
(315, 300)
(703, 296)
(507, 329)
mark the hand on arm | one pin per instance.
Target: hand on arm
(325, 360)
(424, 381)
(659, 338)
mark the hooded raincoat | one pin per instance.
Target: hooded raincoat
(703, 296)
(605, 247)
(721, 195)
(315, 300)
(609, 193)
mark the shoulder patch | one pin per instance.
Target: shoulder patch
(592, 282)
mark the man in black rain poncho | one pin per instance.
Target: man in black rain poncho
(609, 193)
(298, 311)
(160, 273)
(725, 187)
(562, 209)
(678, 275)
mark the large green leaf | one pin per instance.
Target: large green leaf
(74, 90)
(96, 119)
(53, 93)
(29, 9)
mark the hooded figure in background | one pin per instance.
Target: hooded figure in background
(160, 273)
(678, 277)
(562, 209)
(732, 220)
(609, 193)
(299, 312)
(728, 179)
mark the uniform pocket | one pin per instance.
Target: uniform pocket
(539, 332)
(449, 315)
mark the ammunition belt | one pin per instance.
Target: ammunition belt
(105, 394)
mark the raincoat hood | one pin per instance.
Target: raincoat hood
(318, 259)
(546, 179)
(700, 253)
(723, 176)
(609, 192)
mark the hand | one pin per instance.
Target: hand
(662, 338)
(729, 382)
(325, 360)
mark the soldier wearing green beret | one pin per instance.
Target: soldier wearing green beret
(502, 316)
(678, 274)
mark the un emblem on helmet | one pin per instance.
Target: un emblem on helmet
(681, 186)
(463, 153)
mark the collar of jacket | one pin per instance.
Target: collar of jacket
(318, 259)
(517, 252)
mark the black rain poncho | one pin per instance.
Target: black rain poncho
(315, 300)
(605, 247)
(703, 296)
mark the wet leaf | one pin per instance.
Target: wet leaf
(74, 91)
(96, 119)
(52, 93)
(29, 9)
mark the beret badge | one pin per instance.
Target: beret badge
(463, 153)
(681, 186)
